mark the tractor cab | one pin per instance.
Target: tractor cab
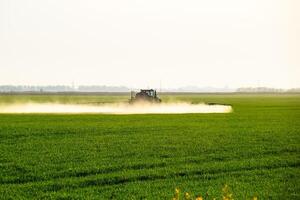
(145, 96)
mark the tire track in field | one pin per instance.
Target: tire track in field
(116, 169)
(50, 186)
(211, 174)
(79, 174)
(28, 178)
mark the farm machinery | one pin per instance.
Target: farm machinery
(149, 96)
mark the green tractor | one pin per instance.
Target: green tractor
(149, 96)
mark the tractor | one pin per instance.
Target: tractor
(149, 96)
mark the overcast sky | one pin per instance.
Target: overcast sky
(218, 43)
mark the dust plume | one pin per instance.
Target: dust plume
(120, 108)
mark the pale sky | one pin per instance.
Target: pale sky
(234, 43)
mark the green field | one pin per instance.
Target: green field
(255, 150)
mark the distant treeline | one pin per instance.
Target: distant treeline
(62, 88)
(103, 88)
(267, 90)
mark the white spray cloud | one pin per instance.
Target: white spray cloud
(121, 108)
